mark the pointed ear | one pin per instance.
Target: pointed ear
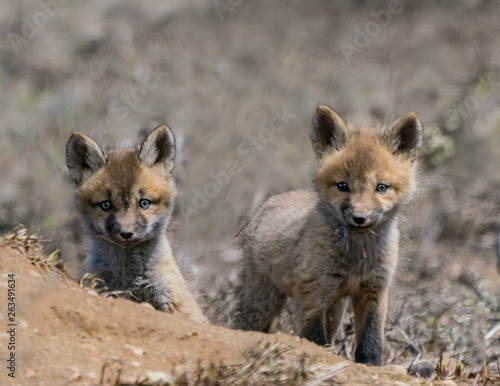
(159, 148)
(405, 136)
(328, 131)
(84, 157)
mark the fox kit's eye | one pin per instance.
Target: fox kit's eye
(343, 186)
(381, 188)
(144, 203)
(105, 205)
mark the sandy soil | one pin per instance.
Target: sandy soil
(69, 335)
(222, 80)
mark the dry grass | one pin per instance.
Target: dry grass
(226, 78)
(264, 364)
(33, 247)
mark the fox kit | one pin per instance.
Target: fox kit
(125, 199)
(317, 248)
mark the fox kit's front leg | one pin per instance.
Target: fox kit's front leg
(171, 292)
(370, 310)
(333, 318)
(154, 289)
(258, 301)
(323, 326)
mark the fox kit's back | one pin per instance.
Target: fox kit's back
(125, 199)
(339, 240)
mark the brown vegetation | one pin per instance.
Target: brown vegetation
(238, 86)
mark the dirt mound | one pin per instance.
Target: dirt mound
(66, 334)
(228, 72)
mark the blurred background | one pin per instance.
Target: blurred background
(238, 82)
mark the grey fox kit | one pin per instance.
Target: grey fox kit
(319, 247)
(125, 199)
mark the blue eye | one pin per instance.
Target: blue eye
(144, 203)
(343, 186)
(381, 188)
(105, 205)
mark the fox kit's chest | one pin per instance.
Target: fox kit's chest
(340, 264)
(359, 261)
(121, 268)
(362, 256)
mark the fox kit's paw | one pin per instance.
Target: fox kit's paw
(369, 351)
(315, 332)
(160, 298)
(154, 292)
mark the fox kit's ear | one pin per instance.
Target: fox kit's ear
(405, 136)
(159, 148)
(328, 131)
(84, 157)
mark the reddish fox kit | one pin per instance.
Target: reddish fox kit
(125, 199)
(317, 248)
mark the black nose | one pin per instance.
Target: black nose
(359, 218)
(126, 235)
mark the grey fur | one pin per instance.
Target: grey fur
(129, 248)
(303, 246)
(148, 271)
(308, 257)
